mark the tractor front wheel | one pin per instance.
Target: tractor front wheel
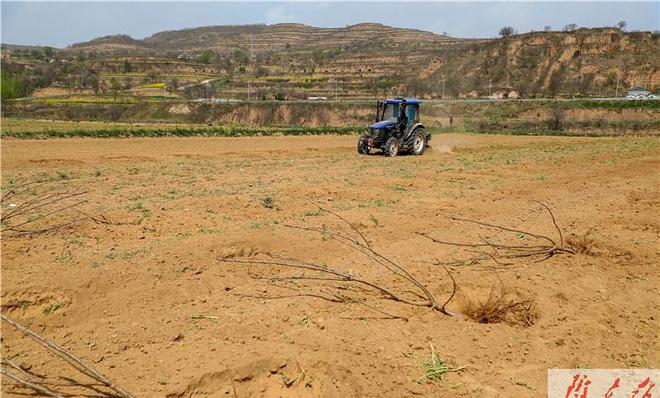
(391, 147)
(419, 142)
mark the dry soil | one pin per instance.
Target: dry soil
(147, 299)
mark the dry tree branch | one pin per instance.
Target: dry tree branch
(324, 274)
(387, 314)
(67, 356)
(339, 276)
(353, 227)
(453, 291)
(376, 257)
(40, 213)
(7, 362)
(541, 250)
(32, 385)
(554, 222)
(288, 296)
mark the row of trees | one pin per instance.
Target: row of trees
(507, 31)
(241, 60)
(21, 80)
(44, 53)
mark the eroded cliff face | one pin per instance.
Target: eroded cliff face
(586, 61)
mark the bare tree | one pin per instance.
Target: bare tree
(507, 31)
(188, 93)
(174, 84)
(128, 83)
(114, 87)
(571, 27)
(556, 81)
(260, 71)
(622, 25)
(557, 117)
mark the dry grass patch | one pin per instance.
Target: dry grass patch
(582, 244)
(502, 307)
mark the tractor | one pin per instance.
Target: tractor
(397, 129)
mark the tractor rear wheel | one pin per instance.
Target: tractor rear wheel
(419, 142)
(391, 147)
(362, 145)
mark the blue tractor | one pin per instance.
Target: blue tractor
(397, 129)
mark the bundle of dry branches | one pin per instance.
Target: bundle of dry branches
(417, 294)
(25, 211)
(500, 307)
(20, 377)
(540, 249)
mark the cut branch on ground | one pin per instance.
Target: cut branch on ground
(38, 384)
(30, 209)
(538, 248)
(312, 274)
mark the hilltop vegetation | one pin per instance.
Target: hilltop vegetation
(289, 61)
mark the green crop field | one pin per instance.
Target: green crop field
(40, 129)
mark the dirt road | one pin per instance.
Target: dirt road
(148, 300)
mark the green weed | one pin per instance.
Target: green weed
(205, 317)
(61, 175)
(435, 368)
(64, 257)
(312, 213)
(52, 308)
(213, 131)
(121, 254)
(267, 202)
(206, 230)
(260, 224)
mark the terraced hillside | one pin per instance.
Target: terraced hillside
(262, 38)
(289, 61)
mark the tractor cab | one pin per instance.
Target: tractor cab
(397, 129)
(390, 110)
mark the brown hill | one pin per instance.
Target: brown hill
(366, 57)
(262, 38)
(112, 42)
(287, 61)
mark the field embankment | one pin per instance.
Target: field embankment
(581, 117)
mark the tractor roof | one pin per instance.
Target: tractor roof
(411, 101)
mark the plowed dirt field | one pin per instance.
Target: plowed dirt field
(144, 294)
